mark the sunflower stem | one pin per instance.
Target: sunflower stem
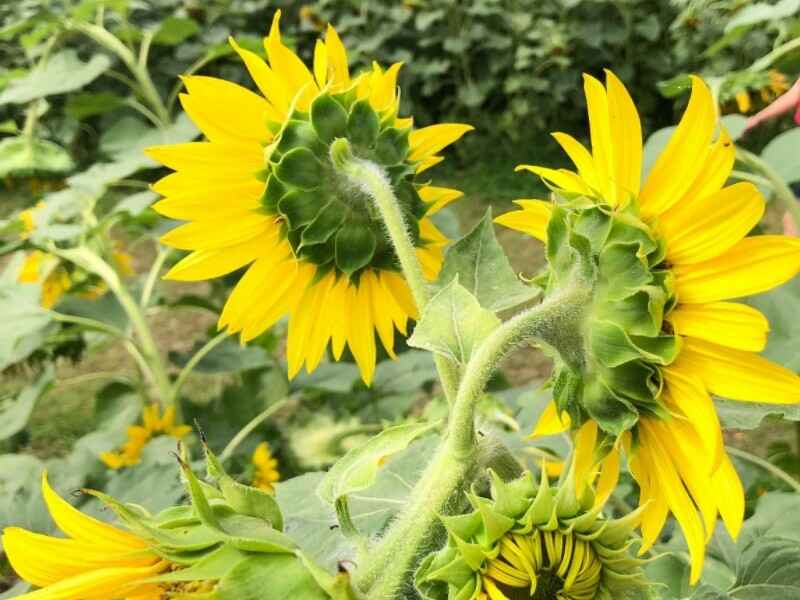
(251, 426)
(371, 178)
(767, 466)
(387, 569)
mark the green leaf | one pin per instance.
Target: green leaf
(482, 268)
(174, 30)
(769, 568)
(89, 104)
(783, 155)
(749, 415)
(275, 577)
(453, 324)
(759, 12)
(64, 72)
(22, 156)
(735, 125)
(14, 414)
(228, 356)
(358, 469)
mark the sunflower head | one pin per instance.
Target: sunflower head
(534, 542)
(264, 192)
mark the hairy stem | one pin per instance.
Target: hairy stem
(389, 565)
(373, 181)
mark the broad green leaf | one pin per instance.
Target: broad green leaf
(769, 568)
(174, 30)
(274, 577)
(21, 156)
(21, 501)
(335, 377)
(453, 324)
(777, 515)
(749, 415)
(707, 592)
(654, 145)
(408, 373)
(482, 268)
(783, 154)
(14, 414)
(357, 469)
(25, 323)
(734, 124)
(64, 72)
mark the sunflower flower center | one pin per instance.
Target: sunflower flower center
(544, 565)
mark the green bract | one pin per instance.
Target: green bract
(613, 376)
(330, 221)
(538, 542)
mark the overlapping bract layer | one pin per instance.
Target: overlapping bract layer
(678, 330)
(262, 193)
(534, 541)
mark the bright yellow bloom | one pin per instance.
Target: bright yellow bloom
(266, 468)
(680, 463)
(95, 561)
(743, 101)
(286, 239)
(153, 424)
(41, 267)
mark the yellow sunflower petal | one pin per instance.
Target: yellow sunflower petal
(322, 328)
(726, 323)
(429, 140)
(294, 72)
(716, 169)
(585, 440)
(361, 332)
(550, 423)
(384, 90)
(438, 197)
(600, 131)
(302, 345)
(339, 308)
(85, 528)
(609, 476)
(684, 156)
(208, 234)
(705, 227)
(627, 133)
(227, 160)
(225, 112)
(337, 57)
(739, 375)
(753, 265)
(581, 158)
(321, 63)
(284, 294)
(207, 264)
(532, 219)
(728, 489)
(381, 310)
(560, 178)
(267, 81)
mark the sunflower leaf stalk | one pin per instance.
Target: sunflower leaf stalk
(555, 324)
(373, 182)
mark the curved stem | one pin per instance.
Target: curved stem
(89, 324)
(250, 427)
(767, 60)
(767, 466)
(387, 567)
(196, 358)
(373, 181)
(152, 276)
(782, 191)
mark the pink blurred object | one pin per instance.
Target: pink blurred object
(789, 226)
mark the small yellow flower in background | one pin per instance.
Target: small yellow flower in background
(153, 424)
(743, 101)
(262, 193)
(701, 259)
(94, 561)
(28, 218)
(266, 472)
(40, 267)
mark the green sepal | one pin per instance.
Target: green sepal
(328, 118)
(355, 246)
(212, 566)
(301, 169)
(463, 526)
(362, 124)
(495, 525)
(244, 499)
(299, 208)
(392, 146)
(512, 498)
(325, 224)
(273, 192)
(613, 415)
(300, 134)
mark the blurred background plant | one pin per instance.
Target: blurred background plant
(91, 338)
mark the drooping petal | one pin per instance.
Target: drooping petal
(739, 375)
(609, 476)
(751, 266)
(728, 489)
(581, 158)
(429, 140)
(381, 310)
(684, 156)
(361, 332)
(532, 219)
(550, 423)
(726, 323)
(707, 226)
(585, 440)
(438, 197)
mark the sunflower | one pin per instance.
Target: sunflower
(265, 467)
(661, 335)
(94, 561)
(44, 268)
(263, 193)
(536, 542)
(153, 424)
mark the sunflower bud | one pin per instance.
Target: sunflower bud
(535, 542)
